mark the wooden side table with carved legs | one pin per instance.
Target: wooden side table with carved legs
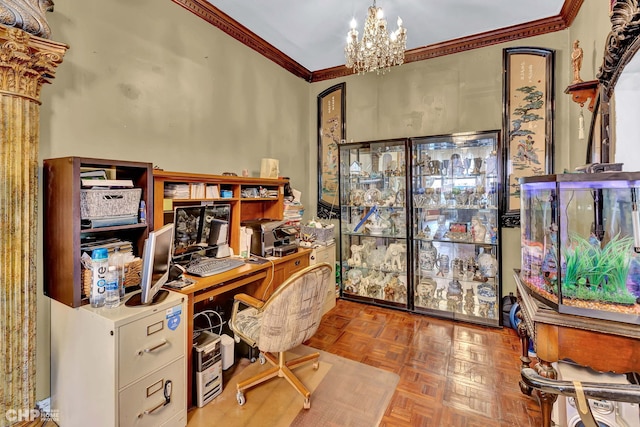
(602, 345)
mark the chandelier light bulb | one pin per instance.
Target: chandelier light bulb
(399, 22)
(354, 24)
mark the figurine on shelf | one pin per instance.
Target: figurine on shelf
(478, 231)
(454, 296)
(376, 225)
(457, 167)
(442, 227)
(393, 258)
(391, 288)
(483, 311)
(469, 301)
(356, 256)
(401, 292)
(576, 61)
(445, 167)
(426, 291)
(373, 290)
(353, 280)
(442, 264)
(477, 165)
(427, 257)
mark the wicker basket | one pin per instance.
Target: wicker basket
(322, 235)
(96, 204)
(132, 274)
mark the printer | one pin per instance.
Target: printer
(271, 237)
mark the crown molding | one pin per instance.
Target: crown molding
(217, 18)
(225, 23)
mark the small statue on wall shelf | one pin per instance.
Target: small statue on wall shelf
(576, 61)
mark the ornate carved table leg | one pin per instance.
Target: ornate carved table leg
(547, 400)
(524, 357)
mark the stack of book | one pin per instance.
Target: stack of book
(293, 212)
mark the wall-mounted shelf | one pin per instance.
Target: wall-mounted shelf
(583, 92)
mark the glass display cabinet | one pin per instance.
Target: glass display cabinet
(454, 217)
(373, 222)
(580, 243)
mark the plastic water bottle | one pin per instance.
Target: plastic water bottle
(117, 260)
(112, 293)
(99, 265)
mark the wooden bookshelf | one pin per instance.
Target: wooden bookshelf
(63, 231)
(245, 199)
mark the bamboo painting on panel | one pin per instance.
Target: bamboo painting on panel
(331, 131)
(527, 123)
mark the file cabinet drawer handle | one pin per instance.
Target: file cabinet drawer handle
(154, 348)
(152, 410)
(297, 263)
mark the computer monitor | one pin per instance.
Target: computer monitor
(156, 261)
(200, 229)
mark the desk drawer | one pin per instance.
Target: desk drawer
(295, 265)
(150, 342)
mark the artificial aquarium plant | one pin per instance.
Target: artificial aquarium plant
(593, 272)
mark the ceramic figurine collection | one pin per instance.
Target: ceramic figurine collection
(419, 224)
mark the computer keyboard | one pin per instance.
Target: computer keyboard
(204, 267)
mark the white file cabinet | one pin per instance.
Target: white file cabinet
(326, 254)
(119, 367)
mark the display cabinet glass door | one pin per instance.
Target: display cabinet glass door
(455, 239)
(373, 223)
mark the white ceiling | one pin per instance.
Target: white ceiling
(313, 33)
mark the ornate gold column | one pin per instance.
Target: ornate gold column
(26, 62)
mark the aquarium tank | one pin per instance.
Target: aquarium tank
(581, 243)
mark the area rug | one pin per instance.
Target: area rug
(343, 393)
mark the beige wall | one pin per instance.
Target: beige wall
(146, 80)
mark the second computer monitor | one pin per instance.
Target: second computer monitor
(200, 228)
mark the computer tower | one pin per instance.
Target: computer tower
(207, 365)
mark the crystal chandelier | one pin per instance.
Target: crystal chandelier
(378, 50)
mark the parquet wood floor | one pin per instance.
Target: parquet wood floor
(451, 374)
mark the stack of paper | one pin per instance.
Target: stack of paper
(293, 212)
(107, 183)
(176, 191)
(197, 190)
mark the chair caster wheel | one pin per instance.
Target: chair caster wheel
(253, 359)
(240, 398)
(262, 359)
(307, 403)
(316, 365)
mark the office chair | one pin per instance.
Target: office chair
(288, 318)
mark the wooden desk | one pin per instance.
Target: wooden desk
(258, 280)
(602, 345)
